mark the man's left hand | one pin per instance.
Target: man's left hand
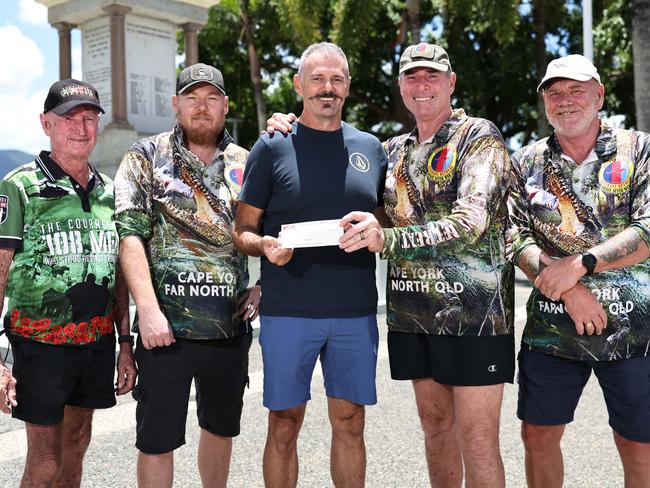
(559, 275)
(126, 369)
(361, 230)
(248, 304)
(7, 389)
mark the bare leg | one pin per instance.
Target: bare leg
(544, 462)
(155, 470)
(636, 461)
(44, 455)
(436, 410)
(478, 410)
(281, 453)
(77, 430)
(348, 451)
(214, 459)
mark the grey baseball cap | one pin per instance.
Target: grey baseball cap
(199, 73)
(424, 55)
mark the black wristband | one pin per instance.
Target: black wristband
(258, 283)
(125, 338)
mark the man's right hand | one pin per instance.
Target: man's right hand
(7, 389)
(274, 252)
(280, 122)
(154, 329)
(585, 310)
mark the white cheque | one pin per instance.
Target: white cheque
(311, 234)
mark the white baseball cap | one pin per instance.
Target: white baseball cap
(574, 67)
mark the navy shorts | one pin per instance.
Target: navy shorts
(49, 377)
(219, 369)
(550, 387)
(348, 353)
(452, 360)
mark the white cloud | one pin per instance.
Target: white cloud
(76, 60)
(22, 66)
(20, 127)
(22, 60)
(31, 12)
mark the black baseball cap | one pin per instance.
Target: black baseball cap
(199, 73)
(64, 95)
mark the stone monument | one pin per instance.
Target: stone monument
(128, 54)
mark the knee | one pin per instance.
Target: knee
(541, 437)
(283, 428)
(77, 441)
(481, 439)
(435, 422)
(351, 424)
(43, 467)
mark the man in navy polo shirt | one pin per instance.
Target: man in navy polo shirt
(58, 250)
(318, 301)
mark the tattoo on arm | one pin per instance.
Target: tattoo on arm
(530, 263)
(620, 248)
(626, 248)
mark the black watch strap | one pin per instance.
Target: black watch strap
(589, 262)
(125, 338)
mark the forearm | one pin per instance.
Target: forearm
(626, 248)
(247, 240)
(121, 309)
(135, 267)
(6, 255)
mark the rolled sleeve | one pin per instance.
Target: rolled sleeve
(133, 196)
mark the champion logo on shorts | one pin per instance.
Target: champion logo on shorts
(4, 208)
(492, 368)
(359, 162)
(441, 163)
(615, 176)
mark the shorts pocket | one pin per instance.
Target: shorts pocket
(139, 394)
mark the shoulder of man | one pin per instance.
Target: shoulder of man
(233, 151)
(21, 172)
(530, 152)
(480, 127)
(148, 145)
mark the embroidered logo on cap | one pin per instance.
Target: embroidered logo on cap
(615, 176)
(199, 73)
(441, 163)
(359, 162)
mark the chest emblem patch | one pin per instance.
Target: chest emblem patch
(4, 208)
(359, 162)
(441, 163)
(236, 177)
(615, 176)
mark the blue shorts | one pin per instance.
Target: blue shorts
(550, 387)
(348, 352)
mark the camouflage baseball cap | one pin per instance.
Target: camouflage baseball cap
(426, 56)
(199, 73)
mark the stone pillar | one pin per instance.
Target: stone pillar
(191, 43)
(65, 56)
(118, 66)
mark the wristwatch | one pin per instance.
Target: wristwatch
(125, 338)
(589, 262)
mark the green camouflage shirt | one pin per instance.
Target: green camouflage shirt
(184, 211)
(447, 274)
(565, 209)
(62, 277)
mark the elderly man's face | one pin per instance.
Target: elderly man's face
(324, 85)
(201, 113)
(572, 106)
(72, 135)
(426, 92)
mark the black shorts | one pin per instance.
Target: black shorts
(452, 360)
(219, 369)
(49, 377)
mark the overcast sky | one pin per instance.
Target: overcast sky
(29, 52)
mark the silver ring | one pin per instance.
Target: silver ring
(250, 306)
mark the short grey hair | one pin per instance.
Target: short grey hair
(327, 48)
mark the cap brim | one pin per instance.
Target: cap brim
(65, 107)
(198, 82)
(424, 64)
(567, 76)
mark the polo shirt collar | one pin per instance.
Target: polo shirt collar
(54, 172)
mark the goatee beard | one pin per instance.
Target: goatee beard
(201, 136)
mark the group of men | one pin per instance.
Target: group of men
(445, 204)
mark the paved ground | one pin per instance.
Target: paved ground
(394, 442)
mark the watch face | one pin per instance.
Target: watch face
(589, 262)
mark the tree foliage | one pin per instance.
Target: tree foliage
(491, 44)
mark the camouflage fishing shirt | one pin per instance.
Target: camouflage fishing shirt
(184, 211)
(446, 198)
(62, 277)
(565, 209)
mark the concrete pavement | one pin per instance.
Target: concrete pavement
(393, 439)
